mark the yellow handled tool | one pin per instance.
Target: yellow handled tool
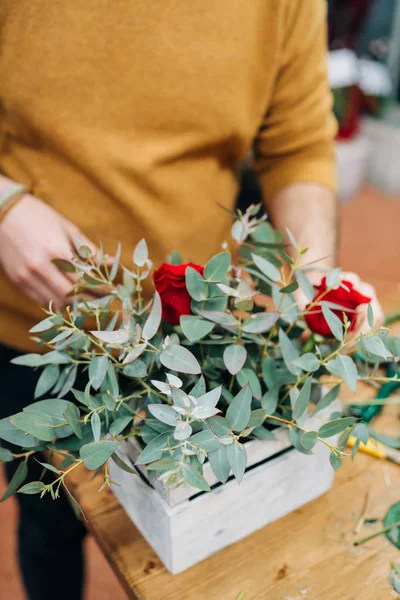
(376, 451)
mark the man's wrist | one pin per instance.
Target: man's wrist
(10, 195)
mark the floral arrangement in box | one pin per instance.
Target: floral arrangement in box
(196, 371)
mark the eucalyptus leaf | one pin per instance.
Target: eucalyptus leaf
(154, 319)
(334, 323)
(196, 285)
(234, 358)
(192, 476)
(217, 267)
(180, 359)
(94, 455)
(237, 457)
(47, 380)
(153, 450)
(302, 401)
(266, 268)
(16, 481)
(195, 328)
(343, 366)
(260, 322)
(219, 464)
(163, 413)
(336, 426)
(140, 254)
(238, 413)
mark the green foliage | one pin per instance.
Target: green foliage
(196, 392)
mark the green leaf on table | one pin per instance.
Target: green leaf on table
(234, 358)
(248, 376)
(219, 463)
(302, 401)
(309, 439)
(163, 413)
(361, 432)
(260, 322)
(38, 424)
(153, 320)
(394, 577)
(140, 254)
(307, 362)
(289, 352)
(392, 517)
(180, 359)
(95, 424)
(334, 323)
(217, 267)
(34, 487)
(5, 455)
(72, 416)
(336, 426)
(266, 268)
(97, 371)
(193, 477)
(328, 398)
(305, 284)
(195, 328)
(343, 366)
(153, 450)
(47, 380)
(94, 455)
(238, 413)
(16, 481)
(237, 458)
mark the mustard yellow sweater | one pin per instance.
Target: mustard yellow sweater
(129, 117)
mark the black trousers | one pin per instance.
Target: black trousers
(50, 537)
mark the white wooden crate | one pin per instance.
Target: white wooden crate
(185, 528)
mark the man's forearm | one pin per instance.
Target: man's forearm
(309, 210)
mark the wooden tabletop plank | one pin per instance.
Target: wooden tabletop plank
(307, 555)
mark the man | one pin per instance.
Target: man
(127, 119)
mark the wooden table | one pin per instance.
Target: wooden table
(307, 555)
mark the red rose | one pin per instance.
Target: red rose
(345, 296)
(170, 283)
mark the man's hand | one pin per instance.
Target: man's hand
(31, 235)
(366, 289)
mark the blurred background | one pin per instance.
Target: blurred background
(364, 74)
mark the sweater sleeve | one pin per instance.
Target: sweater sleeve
(295, 142)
